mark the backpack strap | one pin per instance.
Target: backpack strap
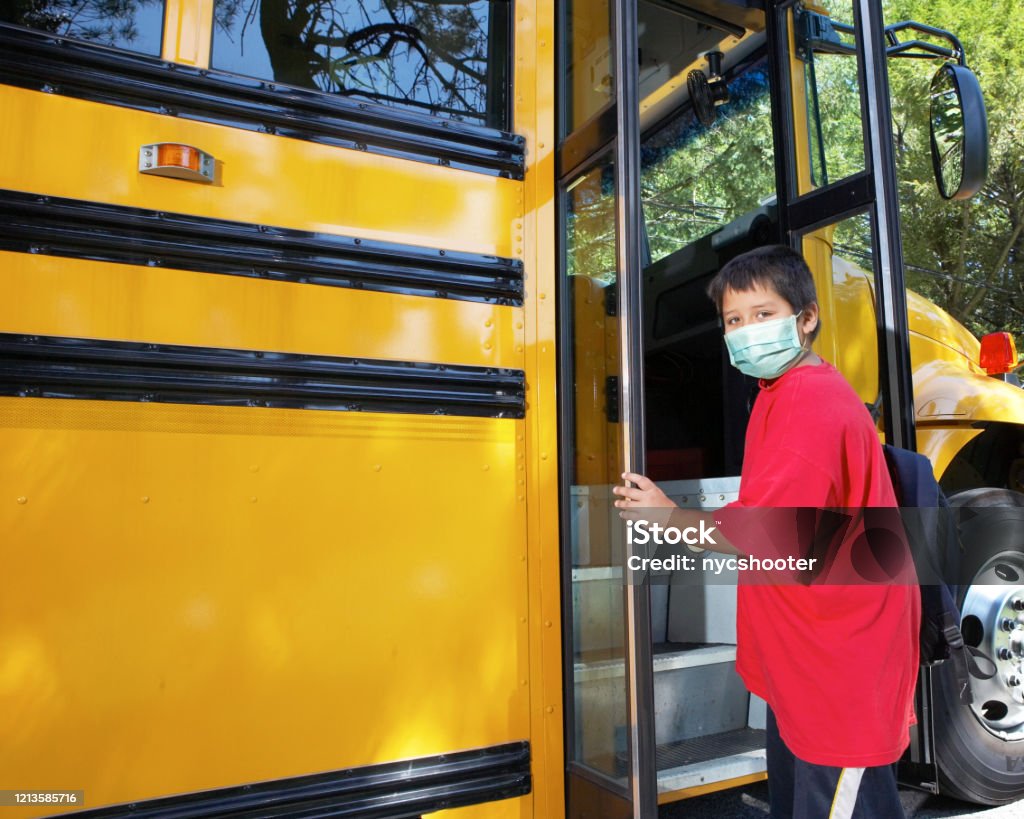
(959, 657)
(964, 659)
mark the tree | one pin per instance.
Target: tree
(972, 249)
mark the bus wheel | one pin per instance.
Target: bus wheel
(980, 748)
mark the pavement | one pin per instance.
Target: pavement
(751, 802)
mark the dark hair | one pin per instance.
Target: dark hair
(776, 266)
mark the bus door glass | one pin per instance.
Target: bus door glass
(708, 190)
(609, 745)
(597, 747)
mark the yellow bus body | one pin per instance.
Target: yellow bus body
(209, 596)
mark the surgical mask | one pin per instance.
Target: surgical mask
(766, 349)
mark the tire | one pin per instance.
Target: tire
(980, 748)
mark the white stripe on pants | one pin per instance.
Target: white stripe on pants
(846, 793)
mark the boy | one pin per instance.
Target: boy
(837, 664)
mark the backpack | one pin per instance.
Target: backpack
(935, 543)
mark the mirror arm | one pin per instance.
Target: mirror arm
(819, 33)
(902, 49)
(930, 51)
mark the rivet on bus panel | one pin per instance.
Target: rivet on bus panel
(22, 500)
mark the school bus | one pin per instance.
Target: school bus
(328, 325)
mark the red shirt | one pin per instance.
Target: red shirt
(837, 663)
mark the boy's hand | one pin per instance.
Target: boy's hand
(643, 494)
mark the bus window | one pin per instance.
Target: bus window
(834, 121)
(446, 59)
(132, 25)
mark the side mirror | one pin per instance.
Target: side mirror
(959, 131)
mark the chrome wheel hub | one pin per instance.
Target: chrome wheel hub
(992, 620)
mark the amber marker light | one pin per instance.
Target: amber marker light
(998, 353)
(177, 161)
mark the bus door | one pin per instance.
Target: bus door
(632, 736)
(607, 667)
(730, 158)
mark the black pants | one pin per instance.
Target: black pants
(800, 790)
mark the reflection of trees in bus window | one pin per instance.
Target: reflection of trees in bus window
(696, 179)
(590, 225)
(445, 57)
(134, 25)
(835, 126)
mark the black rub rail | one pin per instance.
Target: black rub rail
(82, 368)
(45, 62)
(393, 790)
(100, 232)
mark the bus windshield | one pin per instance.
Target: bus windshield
(697, 178)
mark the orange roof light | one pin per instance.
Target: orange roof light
(998, 353)
(177, 161)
